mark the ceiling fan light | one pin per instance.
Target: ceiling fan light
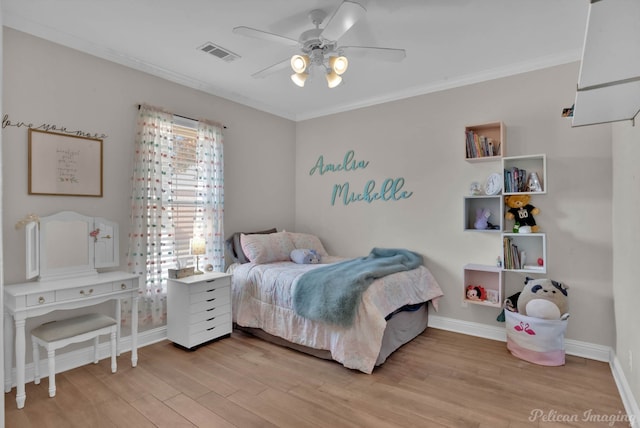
(299, 63)
(333, 79)
(299, 78)
(338, 64)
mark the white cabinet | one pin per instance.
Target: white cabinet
(199, 308)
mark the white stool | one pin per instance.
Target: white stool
(57, 334)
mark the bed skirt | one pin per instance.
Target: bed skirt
(401, 328)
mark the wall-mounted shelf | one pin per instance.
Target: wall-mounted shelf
(485, 142)
(517, 171)
(530, 245)
(492, 203)
(489, 277)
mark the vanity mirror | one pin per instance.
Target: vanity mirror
(68, 244)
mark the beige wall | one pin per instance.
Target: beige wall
(47, 83)
(268, 159)
(421, 139)
(626, 240)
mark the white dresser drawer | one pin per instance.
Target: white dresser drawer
(210, 295)
(87, 291)
(41, 298)
(209, 313)
(210, 324)
(208, 305)
(124, 285)
(205, 286)
(204, 332)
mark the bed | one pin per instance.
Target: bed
(266, 284)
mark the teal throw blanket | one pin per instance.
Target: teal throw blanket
(332, 293)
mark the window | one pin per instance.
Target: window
(185, 198)
(177, 194)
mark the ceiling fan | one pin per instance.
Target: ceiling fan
(319, 46)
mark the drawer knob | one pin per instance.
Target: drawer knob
(88, 293)
(41, 300)
(123, 286)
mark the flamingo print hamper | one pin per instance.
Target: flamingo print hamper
(537, 340)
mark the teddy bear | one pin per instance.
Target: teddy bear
(522, 211)
(305, 256)
(543, 298)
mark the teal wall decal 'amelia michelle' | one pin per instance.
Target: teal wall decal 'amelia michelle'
(389, 190)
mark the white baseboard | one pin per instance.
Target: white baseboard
(572, 347)
(629, 401)
(80, 357)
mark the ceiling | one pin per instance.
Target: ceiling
(448, 43)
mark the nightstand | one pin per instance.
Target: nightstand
(199, 308)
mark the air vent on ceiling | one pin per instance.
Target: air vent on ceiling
(219, 52)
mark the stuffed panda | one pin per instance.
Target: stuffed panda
(544, 298)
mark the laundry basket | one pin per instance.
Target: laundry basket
(536, 340)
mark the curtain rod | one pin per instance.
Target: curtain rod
(189, 118)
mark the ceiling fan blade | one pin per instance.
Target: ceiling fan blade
(278, 66)
(347, 14)
(264, 35)
(383, 54)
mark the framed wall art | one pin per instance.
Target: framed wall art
(65, 165)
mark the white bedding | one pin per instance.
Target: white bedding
(262, 298)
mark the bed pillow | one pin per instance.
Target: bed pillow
(273, 247)
(308, 241)
(235, 247)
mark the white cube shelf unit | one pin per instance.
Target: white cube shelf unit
(488, 277)
(527, 165)
(530, 246)
(515, 246)
(492, 203)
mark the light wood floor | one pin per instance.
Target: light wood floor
(441, 379)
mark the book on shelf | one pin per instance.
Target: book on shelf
(512, 257)
(515, 180)
(479, 146)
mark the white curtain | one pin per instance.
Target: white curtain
(209, 153)
(152, 237)
(149, 223)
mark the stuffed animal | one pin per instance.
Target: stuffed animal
(305, 256)
(476, 292)
(521, 210)
(543, 298)
(482, 219)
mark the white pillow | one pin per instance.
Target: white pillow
(267, 248)
(308, 241)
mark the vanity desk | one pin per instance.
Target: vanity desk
(67, 280)
(33, 299)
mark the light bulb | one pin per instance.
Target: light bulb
(333, 79)
(299, 78)
(299, 63)
(338, 64)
